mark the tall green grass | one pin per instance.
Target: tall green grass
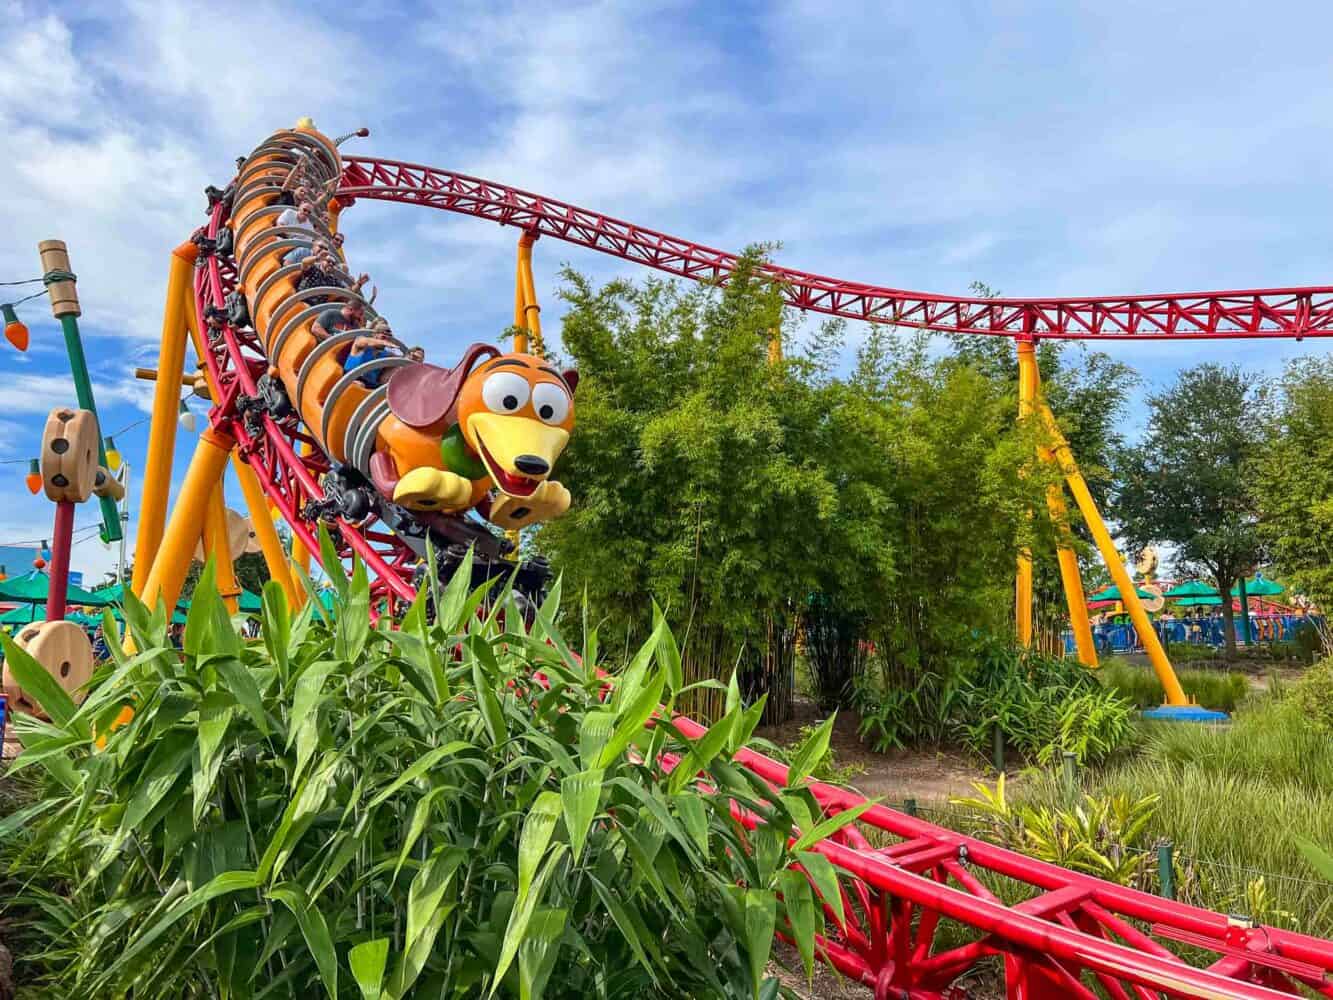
(1222, 690)
(1233, 801)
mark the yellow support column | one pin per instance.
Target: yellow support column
(217, 544)
(1027, 394)
(1055, 505)
(167, 575)
(269, 542)
(166, 410)
(532, 312)
(1175, 694)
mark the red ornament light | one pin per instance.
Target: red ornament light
(15, 332)
(39, 563)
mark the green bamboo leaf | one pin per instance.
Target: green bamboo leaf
(580, 793)
(536, 835)
(668, 653)
(629, 683)
(1320, 860)
(483, 660)
(419, 767)
(538, 952)
(761, 916)
(799, 900)
(694, 817)
(520, 916)
(296, 818)
(38, 684)
(315, 930)
(633, 718)
(414, 959)
(239, 680)
(825, 877)
(417, 826)
(178, 906)
(277, 619)
(200, 617)
(353, 625)
(453, 602)
(332, 566)
(702, 751)
(368, 960)
(166, 764)
(594, 732)
(427, 891)
(812, 751)
(635, 935)
(306, 695)
(831, 826)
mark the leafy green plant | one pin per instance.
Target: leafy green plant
(1313, 695)
(827, 767)
(1100, 835)
(459, 807)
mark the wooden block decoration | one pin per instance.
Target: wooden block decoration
(241, 537)
(241, 533)
(63, 649)
(69, 455)
(64, 294)
(107, 485)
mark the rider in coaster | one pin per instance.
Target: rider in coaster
(372, 347)
(300, 217)
(338, 319)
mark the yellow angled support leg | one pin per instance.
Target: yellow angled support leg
(167, 575)
(1175, 694)
(532, 312)
(1075, 599)
(166, 410)
(217, 545)
(269, 542)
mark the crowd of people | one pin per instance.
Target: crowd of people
(323, 265)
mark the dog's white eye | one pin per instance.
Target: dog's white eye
(551, 402)
(505, 392)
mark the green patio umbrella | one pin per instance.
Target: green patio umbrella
(1201, 601)
(33, 587)
(1259, 587)
(1113, 594)
(1193, 588)
(26, 614)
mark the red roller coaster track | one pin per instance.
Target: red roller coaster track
(1266, 312)
(1070, 935)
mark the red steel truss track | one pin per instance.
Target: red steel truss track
(1070, 935)
(1267, 312)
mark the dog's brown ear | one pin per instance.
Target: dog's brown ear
(421, 395)
(571, 377)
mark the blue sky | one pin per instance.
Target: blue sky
(1044, 148)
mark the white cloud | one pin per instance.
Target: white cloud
(39, 394)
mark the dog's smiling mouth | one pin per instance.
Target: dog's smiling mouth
(510, 482)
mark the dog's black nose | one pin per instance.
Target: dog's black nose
(531, 465)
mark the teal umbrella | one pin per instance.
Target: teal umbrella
(1113, 594)
(1259, 587)
(33, 588)
(1193, 588)
(1201, 601)
(26, 614)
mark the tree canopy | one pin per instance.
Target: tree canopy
(1189, 482)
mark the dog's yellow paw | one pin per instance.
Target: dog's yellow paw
(548, 501)
(432, 489)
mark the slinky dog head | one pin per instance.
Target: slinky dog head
(516, 412)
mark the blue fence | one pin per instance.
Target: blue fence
(1122, 637)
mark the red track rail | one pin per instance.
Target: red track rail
(1071, 936)
(1255, 313)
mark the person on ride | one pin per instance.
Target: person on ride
(371, 347)
(338, 319)
(302, 217)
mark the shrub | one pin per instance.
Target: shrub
(835, 649)
(457, 808)
(1043, 705)
(1103, 836)
(1222, 690)
(1313, 694)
